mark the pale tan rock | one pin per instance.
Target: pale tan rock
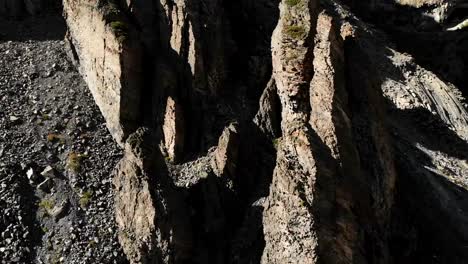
(419, 3)
(288, 221)
(224, 158)
(110, 61)
(173, 129)
(135, 207)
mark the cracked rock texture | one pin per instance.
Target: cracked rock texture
(280, 131)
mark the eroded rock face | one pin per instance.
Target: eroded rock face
(328, 154)
(268, 117)
(135, 206)
(224, 160)
(103, 45)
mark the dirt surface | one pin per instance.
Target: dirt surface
(56, 155)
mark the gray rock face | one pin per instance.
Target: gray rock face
(173, 129)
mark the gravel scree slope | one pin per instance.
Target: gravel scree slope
(56, 155)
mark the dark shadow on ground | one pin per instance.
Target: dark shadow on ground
(16, 180)
(47, 26)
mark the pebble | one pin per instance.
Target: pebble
(14, 119)
(31, 175)
(48, 172)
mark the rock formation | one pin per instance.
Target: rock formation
(287, 131)
(109, 58)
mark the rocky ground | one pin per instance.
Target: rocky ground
(56, 155)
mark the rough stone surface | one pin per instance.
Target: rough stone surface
(109, 60)
(134, 203)
(268, 117)
(224, 161)
(173, 129)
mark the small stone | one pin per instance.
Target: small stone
(48, 172)
(31, 175)
(14, 119)
(59, 211)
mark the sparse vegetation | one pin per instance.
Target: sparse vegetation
(74, 161)
(92, 243)
(52, 137)
(46, 205)
(168, 159)
(55, 258)
(44, 229)
(276, 142)
(85, 198)
(295, 31)
(120, 29)
(292, 2)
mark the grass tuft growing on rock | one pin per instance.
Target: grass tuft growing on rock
(295, 32)
(46, 206)
(120, 29)
(74, 162)
(292, 3)
(276, 143)
(85, 198)
(52, 137)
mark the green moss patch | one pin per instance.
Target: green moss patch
(292, 3)
(295, 32)
(85, 198)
